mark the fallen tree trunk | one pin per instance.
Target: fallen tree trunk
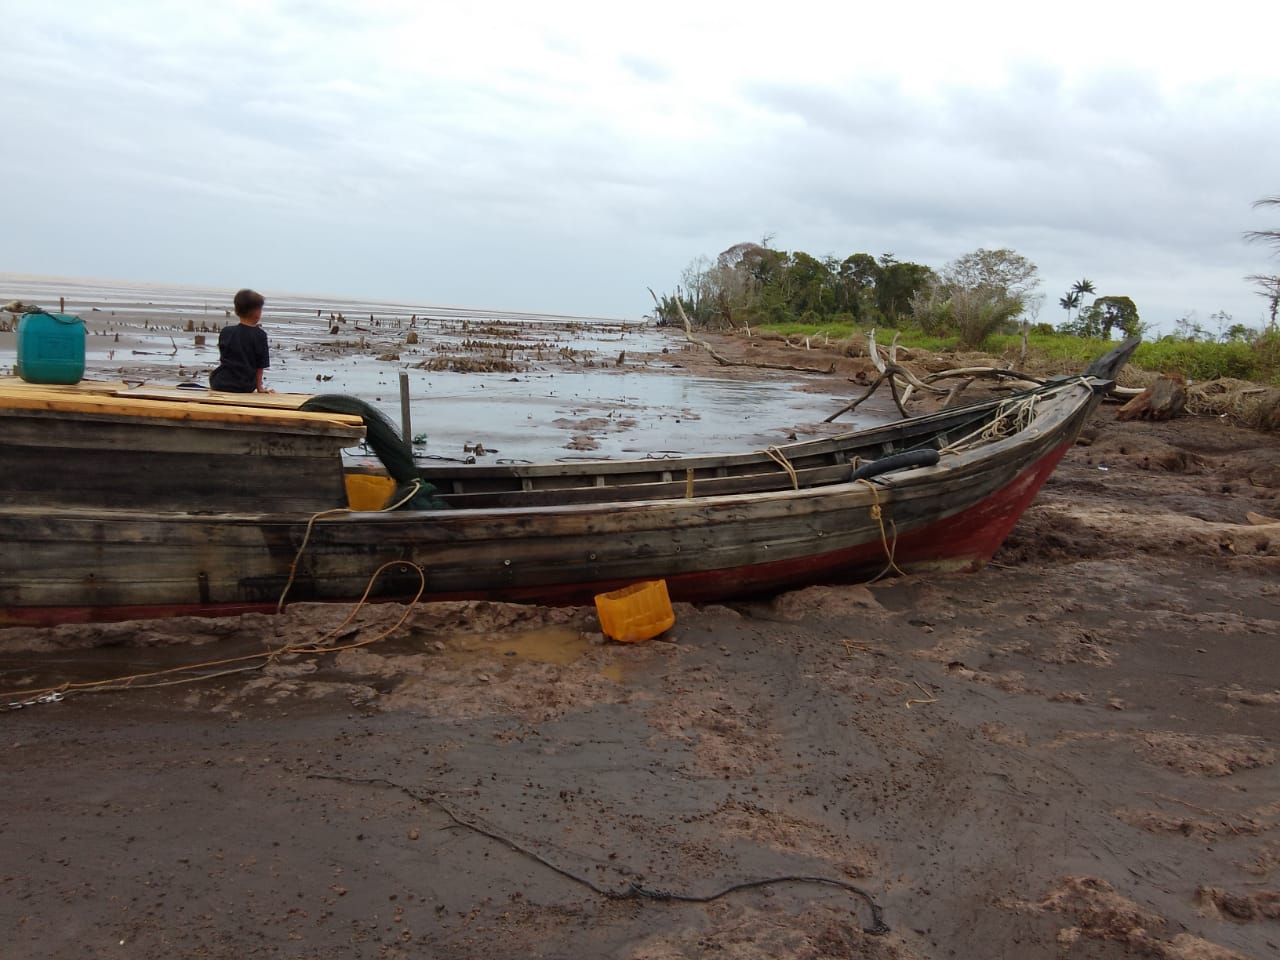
(1163, 400)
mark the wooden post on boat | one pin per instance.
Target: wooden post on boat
(406, 424)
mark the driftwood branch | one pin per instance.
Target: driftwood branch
(904, 380)
(892, 367)
(850, 407)
(1125, 392)
(1020, 379)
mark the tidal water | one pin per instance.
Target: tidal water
(544, 387)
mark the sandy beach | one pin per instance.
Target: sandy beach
(1071, 753)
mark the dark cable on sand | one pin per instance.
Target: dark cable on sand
(634, 890)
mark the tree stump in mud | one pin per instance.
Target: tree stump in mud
(1163, 400)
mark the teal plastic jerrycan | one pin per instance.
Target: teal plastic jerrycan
(50, 348)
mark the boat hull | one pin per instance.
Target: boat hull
(106, 565)
(963, 541)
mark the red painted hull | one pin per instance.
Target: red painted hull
(961, 542)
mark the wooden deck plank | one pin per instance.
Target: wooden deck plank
(121, 388)
(168, 405)
(273, 401)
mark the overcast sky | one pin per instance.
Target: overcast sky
(563, 157)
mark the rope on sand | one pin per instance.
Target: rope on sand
(413, 488)
(635, 890)
(241, 664)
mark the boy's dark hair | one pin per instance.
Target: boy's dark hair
(248, 301)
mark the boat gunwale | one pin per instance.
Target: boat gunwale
(1047, 422)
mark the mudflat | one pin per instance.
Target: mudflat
(1071, 753)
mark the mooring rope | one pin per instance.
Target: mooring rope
(249, 661)
(414, 486)
(890, 547)
(1012, 415)
(780, 458)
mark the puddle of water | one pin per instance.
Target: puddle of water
(556, 645)
(535, 417)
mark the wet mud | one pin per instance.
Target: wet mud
(1071, 753)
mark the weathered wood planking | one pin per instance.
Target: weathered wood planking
(269, 401)
(717, 547)
(713, 546)
(745, 529)
(57, 454)
(86, 398)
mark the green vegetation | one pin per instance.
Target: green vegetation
(977, 295)
(752, 284)
(1256, 358)
(974, 297)
(985, 300)
(1102, 316)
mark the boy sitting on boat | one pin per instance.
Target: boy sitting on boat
(243, 353)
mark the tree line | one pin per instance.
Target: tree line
(752, 283)
(973, 296)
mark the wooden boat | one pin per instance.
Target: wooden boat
(119, 504)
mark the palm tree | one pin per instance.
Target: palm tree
(1080, 288)
(1072, 299)
(1269, 286)
(1266, 236)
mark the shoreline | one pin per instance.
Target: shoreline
(535, 391)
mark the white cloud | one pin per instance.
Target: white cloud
(563, 156)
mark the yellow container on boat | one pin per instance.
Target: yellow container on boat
(637, 612)
(365, 492)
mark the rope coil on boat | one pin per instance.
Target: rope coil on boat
(1012, 416)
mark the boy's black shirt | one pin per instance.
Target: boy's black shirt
(242, 352)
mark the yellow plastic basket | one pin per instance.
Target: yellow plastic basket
(365, 492)
(638, 612)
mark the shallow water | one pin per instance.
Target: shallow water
(549, 388)
(557, 644)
